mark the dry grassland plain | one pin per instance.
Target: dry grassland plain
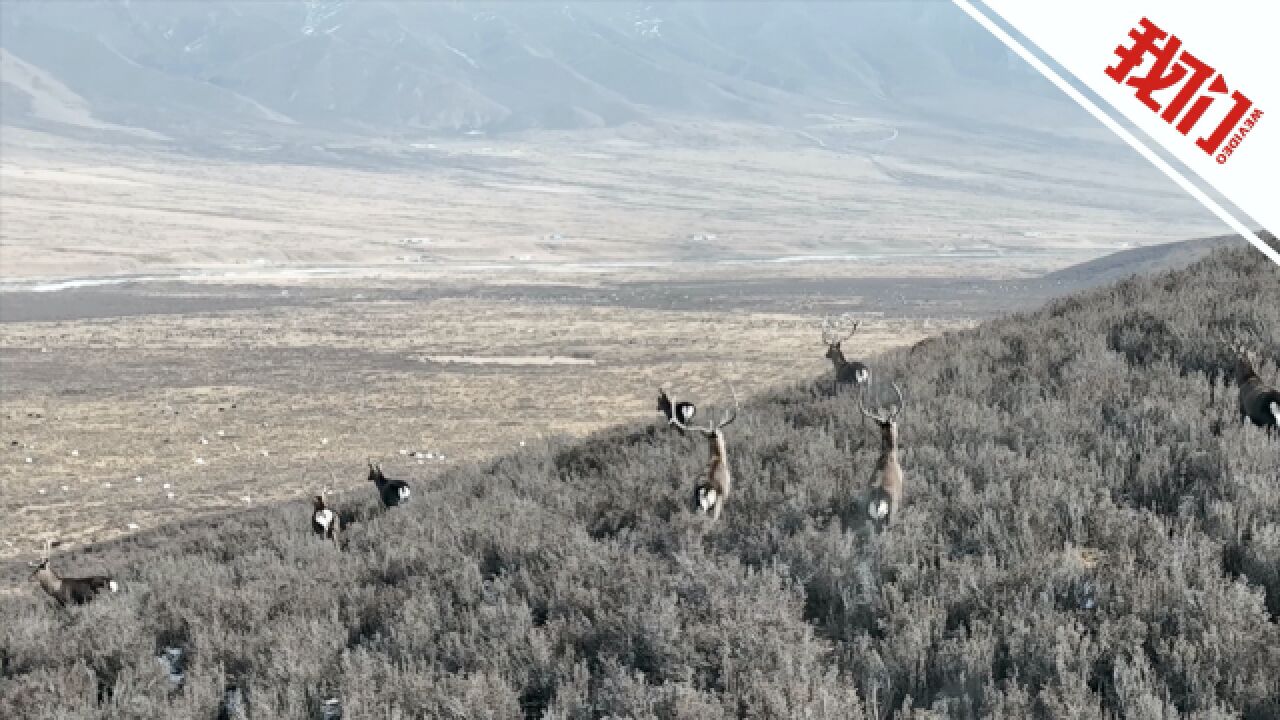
(288, 320)
(132, 422)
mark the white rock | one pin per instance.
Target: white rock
(138, 479)
(28, 460)
(167, 486)
(75, 453)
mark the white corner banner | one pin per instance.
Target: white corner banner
(1199, 79)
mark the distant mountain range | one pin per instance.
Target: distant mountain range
(185, 69)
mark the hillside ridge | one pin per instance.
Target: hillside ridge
(1082, 507)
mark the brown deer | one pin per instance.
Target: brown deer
(846, 372)
(1259, 402)
(65, 590)
(709, 497)
(885, 497)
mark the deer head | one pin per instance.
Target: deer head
(43, 565)
(888, 423)
(831, 337)
(1245, 362)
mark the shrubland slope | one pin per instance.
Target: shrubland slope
(1088, 532)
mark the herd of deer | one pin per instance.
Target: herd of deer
(1258, 403)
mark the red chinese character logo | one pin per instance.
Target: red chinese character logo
(1170, 66)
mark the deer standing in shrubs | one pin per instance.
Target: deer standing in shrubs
(77, 591)
(391, 492)
(709, 497)
(885, 497)
(1259, 402)
(677, 413)
(846, 372)
(324, 521)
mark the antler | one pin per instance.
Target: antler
(826, 331)
(902, 403)
(829, 338)
(44, 556)
(731, 414)
(726, 419)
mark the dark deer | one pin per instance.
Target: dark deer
(709, 497)
(324, 521)
(77, 591)
(677, 414)
(392, 492)
(1258, 401)
(846, 372)
(886, 482)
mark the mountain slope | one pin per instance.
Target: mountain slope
(1088, 532)
(191, 68)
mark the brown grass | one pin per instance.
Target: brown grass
(320, 388)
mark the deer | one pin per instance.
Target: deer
(324, 521)
(391, 492)
(77, 591)
(846, 372)
(885, 497)
(709, 497)
(677, 413)
(1259, 402)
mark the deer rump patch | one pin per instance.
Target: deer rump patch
(685, 411)
(706, 498)
(324, 518)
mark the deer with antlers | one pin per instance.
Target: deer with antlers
(709, 497)
(886, 482)
(1259, 402)
(65, 590)
(846, 372)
